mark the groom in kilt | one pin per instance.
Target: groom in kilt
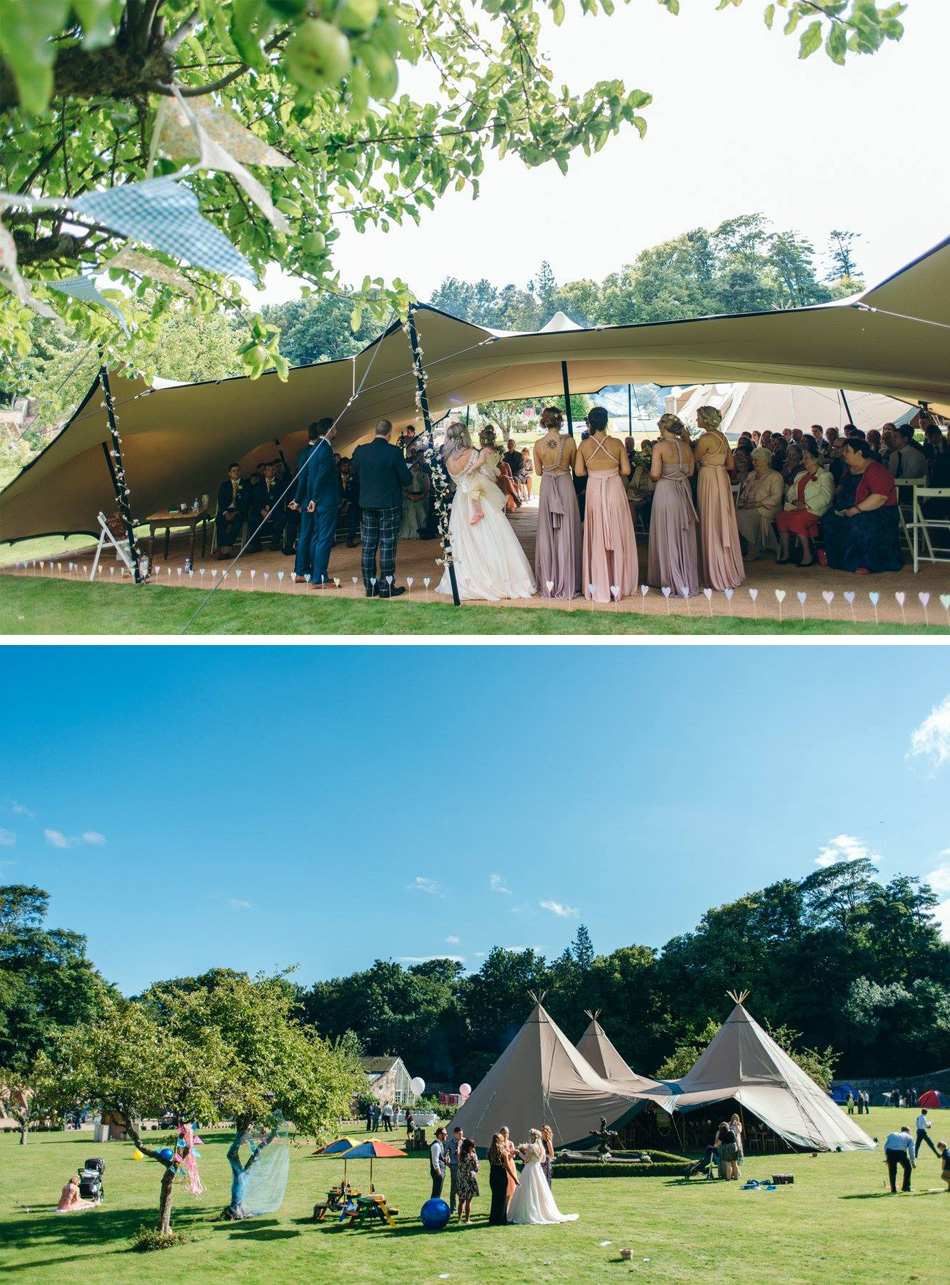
(382, 474)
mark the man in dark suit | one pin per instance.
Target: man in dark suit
(232, 509)
(381, 473)
(317, 499)
(265, 508)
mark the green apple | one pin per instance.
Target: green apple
(314, 243)
(358, 15)
(318, 54)
(383, 73)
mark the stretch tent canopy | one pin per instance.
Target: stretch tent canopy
(177, 442)
(746, 407)
(542, 1079)
(744, 1063)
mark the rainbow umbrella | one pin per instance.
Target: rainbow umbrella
(339, 1147)
(373, 1151)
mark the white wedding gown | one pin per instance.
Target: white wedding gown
(532, 1200)
(489, 562)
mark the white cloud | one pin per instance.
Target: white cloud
(555, 907)
(425, 959)
(21, 810)
(421, 884)
(498, 885)
(939, 879)
(56, 839)
(236, 904)
(479, 954)
(93, 836)
(452, 941)
(7, 839)
(942, 913)
(844, 847)
(932, 737)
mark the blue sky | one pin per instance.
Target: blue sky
(256, 807)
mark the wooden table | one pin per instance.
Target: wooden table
(175, 518)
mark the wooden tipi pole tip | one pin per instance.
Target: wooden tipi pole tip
(738, 997)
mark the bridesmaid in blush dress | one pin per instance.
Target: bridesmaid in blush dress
(718, 530)
(610, 546)
(558, 553)
(673, 558)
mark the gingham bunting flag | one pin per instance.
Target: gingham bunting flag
(164, 213)
(83, 289)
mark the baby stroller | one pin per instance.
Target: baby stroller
(705, 1165)
(90, 1179)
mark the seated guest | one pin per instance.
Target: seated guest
(742, 461)
(831, 435)
(837, 468)
(787, 434)
(850, 430)
(233, 499)
(758, 504)
(415, 502)
(70, 1200)
(818, 433)
(515, 461)
(793, 464)
(527, 473)
(797, 436)
(267, 507)
(874, 441)
(934, 443)
(756, 438)
(864, 536)
(808, 497)
(907, 459)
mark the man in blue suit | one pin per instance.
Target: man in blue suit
(317, 499)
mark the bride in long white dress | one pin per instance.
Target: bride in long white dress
(489, 562)
(532, 1200)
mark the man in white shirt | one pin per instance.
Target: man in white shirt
(437, 1162)
(907, 459)
(899, 1150)
(923, 1124)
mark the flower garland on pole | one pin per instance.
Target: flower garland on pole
(442, 490)
(122, 492)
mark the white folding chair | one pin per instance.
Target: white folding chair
(921, 525)
(906, 489)
(121, 547)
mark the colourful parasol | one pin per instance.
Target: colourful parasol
(372, 1151)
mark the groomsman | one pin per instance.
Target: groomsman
(381, 473)
(317, 499)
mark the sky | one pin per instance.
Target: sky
(738, 124)
(259, 807)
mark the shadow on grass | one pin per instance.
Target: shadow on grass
(105, 1231)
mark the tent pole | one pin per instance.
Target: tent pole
(630, 410)
(567, 399)
(419, 372)
(847, 407)
(118, 474)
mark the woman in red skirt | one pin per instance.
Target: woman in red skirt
(809, 496)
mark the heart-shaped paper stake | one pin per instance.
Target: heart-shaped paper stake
(667, 591)
(549, 585)
(238, 573)
(410, 581)
(945, 601)
(336, 581)
(708, 593)
(592, 589)
(280, 575)
(900, 598)
(372, 580)
(266, 575)
(253, 574)
(848, 596)
(426, 581)
(615, 590)
(828, 595)
(801, 595)
(355, 579)
(729, 593)
(306, 576)
(875, 597)
(924, 599)
(780, 594)
(389, 581)
(214, 573)
(644, 590)
(753, 594)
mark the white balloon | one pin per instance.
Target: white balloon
(465, 1090)
(417, 1085)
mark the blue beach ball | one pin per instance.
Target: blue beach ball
(166, 1153)
(435, 1214)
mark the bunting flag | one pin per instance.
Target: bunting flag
(83, 289)
(164, 213)
(10, 276)
(145, 266)
(216, 140)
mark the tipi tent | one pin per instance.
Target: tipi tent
(746, 407)
(542, 1079)
(744, 1063)
(598, 1051)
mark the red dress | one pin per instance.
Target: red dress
(800, 521)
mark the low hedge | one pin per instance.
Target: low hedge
(618, 1170)
(658, 1157)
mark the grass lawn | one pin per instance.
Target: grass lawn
(835, 1224)
(30, 605)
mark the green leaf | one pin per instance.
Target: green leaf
(811, 39)
(770, 16)
(25, 31)
(96, 17)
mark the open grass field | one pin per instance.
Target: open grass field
(835, 1225)
(30, 605)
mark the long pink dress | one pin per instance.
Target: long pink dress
(718, 531)
(674, 558)
(558, 553)
(610, 546)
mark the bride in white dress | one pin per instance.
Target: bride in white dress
(532, 1200)
(489, 562)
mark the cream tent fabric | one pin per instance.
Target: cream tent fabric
(598, 1051)
(177, 442)
(541, 1079)
(744, 1063)
(746, 407)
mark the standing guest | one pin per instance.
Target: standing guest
(735, 1124)
(850, 1103)
(674, 553)
(452, 1148)
(923, 1125)
(944, 1153)
(610, 546)
(382, 473)
(558, 551)
(415, 502)
(728, 1152)
(758, 504)
(934, 444)
(437, 1163)
(387, 1117)
(316, 480)
(863, 537)
(377, 1114)
(527, 472)
(498, 1175)
(467, 1180)
(867, 1101)
(547, 1141)
(907, 459)
(369, 1117)
(718, 533)
(351, 493)
(806, 501)
(512, 1151)
(899, 1150)
(410, 1122)
(233, 498)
